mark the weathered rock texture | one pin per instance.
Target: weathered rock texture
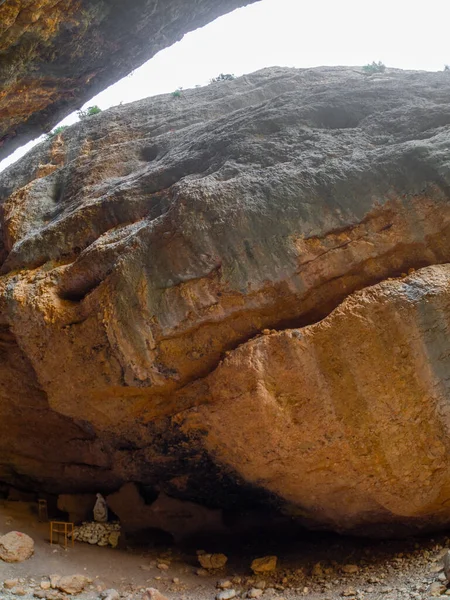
(348, 419)
(56, 54)
(179, 518)
(101, 534)
(16, 547)
(79, 507)
(73, 584)
(146, 247)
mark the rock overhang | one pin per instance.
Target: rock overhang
(57, 54)
(137, 294)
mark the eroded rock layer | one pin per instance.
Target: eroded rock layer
(143, 250)
(56, 54)
(347, 419)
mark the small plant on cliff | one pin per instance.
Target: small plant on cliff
(89, 112)
(177, 93)
(56, 131)
(223, 77)
(378, 67)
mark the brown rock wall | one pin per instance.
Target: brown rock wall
(145, 249)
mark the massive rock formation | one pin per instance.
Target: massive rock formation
(56, 54)
(146, 249)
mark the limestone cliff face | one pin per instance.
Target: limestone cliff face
(56, 54)
(145, 250)
(347, 419)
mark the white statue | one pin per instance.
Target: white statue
(100, 510)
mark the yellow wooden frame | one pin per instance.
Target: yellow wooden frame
(58, 528)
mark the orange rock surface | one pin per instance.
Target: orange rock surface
(209, 296)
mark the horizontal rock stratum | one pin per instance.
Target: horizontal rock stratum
(237, 294)
(57, 54)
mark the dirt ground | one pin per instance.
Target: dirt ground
(311, 566)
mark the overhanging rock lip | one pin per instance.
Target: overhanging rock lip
(63, 67)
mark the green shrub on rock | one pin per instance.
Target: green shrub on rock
(223, 77)
(89, 112)
(378, 67)
(56, 131)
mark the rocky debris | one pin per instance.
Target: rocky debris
(317, 570)
(8, 584)
(212, 561)
(73, 584)
(350, 569)
(179, 518)
(224, 584)
(16, 547)
(112, 594)
(153, 594)
(437, 589)
(301, 225)
(50, 595)
(226, 594)
(71, 58)
(265, 564)
(255, 593)
(383, 574)
(101, 534)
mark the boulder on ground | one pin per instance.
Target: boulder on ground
(73, 584)
(212, 561)
(16, 547)
(266, 564)
(110, 594)
(153, 594)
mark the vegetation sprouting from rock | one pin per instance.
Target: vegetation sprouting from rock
(374, 67)
(223, 77)
(56, 131)
(89, 112)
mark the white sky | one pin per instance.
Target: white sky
(294, 33)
